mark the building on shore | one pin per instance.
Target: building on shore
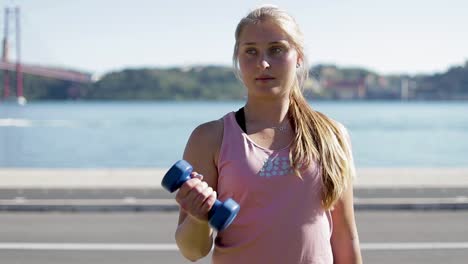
(346, 89)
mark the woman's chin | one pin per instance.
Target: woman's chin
(268, 92)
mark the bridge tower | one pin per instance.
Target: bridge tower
(12, 14)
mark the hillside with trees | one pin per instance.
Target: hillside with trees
(328, 82)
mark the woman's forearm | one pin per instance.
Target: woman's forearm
(194, 238)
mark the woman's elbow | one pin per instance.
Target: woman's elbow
(192, 252)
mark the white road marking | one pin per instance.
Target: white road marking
(89, 246)
(173, 247)
(414, 246)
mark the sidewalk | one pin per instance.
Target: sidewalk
(140, 189)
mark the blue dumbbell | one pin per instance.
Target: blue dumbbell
(221, 214)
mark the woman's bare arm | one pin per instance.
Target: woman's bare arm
(194, 236)
(345, 239)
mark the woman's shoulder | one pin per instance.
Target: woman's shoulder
(209, 130)
(208, 134)
(336, 124)
(204, 143)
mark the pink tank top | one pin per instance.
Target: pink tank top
(281, 219)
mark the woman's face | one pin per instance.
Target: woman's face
(267, 60)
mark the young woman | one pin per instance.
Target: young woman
(289, 167)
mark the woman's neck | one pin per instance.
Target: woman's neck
(268, 113)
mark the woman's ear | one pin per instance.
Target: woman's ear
(299, 62)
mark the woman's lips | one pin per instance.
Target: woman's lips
(264, 78)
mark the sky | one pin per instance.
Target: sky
(100, 36)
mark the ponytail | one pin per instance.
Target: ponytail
(322, 140)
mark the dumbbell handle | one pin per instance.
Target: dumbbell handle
(185, 169)
(219, 216)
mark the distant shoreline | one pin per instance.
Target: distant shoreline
(328, 82)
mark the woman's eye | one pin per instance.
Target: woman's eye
(251, 51)
(276, 50)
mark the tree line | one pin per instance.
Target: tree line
(220, 83)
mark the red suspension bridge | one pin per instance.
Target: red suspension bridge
(17, 68)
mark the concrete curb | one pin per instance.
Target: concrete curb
(54, 180)
(169, 205)
(23, 178)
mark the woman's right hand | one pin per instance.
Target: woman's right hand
(196, 198)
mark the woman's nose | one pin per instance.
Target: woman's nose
(263, 63)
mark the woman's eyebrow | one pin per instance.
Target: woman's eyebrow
(248, 43)
(270, 43)
(284, 42)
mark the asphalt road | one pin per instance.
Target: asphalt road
(112, 238)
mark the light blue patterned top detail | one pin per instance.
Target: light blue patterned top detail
(276, 166)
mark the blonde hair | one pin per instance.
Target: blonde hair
(317, 138)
